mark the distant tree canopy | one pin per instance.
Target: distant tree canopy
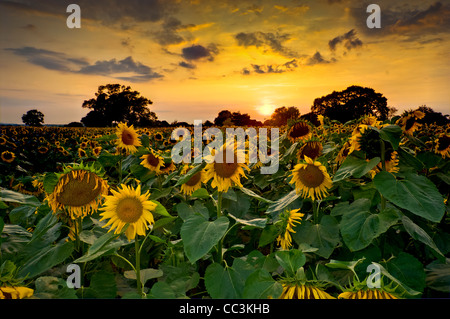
(33, 118)
(281, 116)
(432, 116)
(225, 117)
(351, 103)
(118, 103)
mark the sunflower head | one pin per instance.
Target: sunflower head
(299, 130)
(223, 171)
(303, 291)
(312, 148)
(194, 183)
(311, 179)
(78, 191)
(288, 220)
(128, 206)
(127, 138)
(443, 145)
(152, 161)
(8, 156)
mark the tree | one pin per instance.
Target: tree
(351, 103)
(222, 117)
(33, 118)
(118, 103)
(282, 114)
(432, 116)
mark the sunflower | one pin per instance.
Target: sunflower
(288, 219)
(312, 149)
(127, 138)
(194, 183)
(78, 191)
(8, 156)
(300, 130)
(128, 206)
(158, 136)
(96, 151)
(443, 145)
(42, 149)
(15, 292)
(311, 179)
(81, 152)
(166, 168)
(303, 291)
(343, 153)
(409, 124)
(225, 174)
(152, 161)
(367, 294)
(391, 163)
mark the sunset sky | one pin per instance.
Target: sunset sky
(196, 58)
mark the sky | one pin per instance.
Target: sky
(193, 59)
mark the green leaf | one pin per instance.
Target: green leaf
(359, 226)
(48, 287)
(407, 270)
(283, 202)
(290, 260)
(102, 286)
(160, 209)
(146, 274)
(200, 193)
(229, 282)
(102, 246)
(354, 166)
(19, 215)
(419, 234)
(268, 235)
(50, 181)
(44, 259)
(392, 134)
(200, 235)
(261, 285)
(438, 276)
(415, 193)
(323, 236)
(254, 195)
(256, 222)
(10, 196)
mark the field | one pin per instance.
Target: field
(354, 211)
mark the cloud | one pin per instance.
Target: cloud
(271, 68)
(58, 61)
(198, 52)
(187, 65)
(406, 19)
(317, 58)
(168, 34)
(349, 40)
(269, 40)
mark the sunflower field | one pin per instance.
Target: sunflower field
(354, 211)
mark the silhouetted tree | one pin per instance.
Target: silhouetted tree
(74, 124)
(33, 118)
(282, 114)
(118, 103)
(351, 103)
(222, 117)
(433, 117)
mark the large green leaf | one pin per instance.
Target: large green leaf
(415, 193)
(10, 196)
(228, 282)
(261, 285)
(283, 202)
(48, 287)
(359, 226)
(290, 260)
(323, 236)
(354, 166)
(418, 233)
(102, 246)
(200, 235)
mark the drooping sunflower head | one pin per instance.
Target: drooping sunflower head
(443, 145)
(343, 153)
(8, 156)
(128, 206)
(312, 149)
(367, 294)
(311, 179)
(127, 138)
(409, 124)
(224, 171)
(303, 291)
(299, 130)
(78, 192)
(152, 161)
(288, 220)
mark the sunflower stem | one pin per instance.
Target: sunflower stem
(138, 267)
(219, 214)
(383, 168)
(315, 211)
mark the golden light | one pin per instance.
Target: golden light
(266, 109)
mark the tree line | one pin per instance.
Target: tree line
(114, 103)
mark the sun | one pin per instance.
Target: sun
(266, 109)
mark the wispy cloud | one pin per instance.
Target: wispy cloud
(348, 39)
(58, 61)
(266, 40)
(271, 68)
